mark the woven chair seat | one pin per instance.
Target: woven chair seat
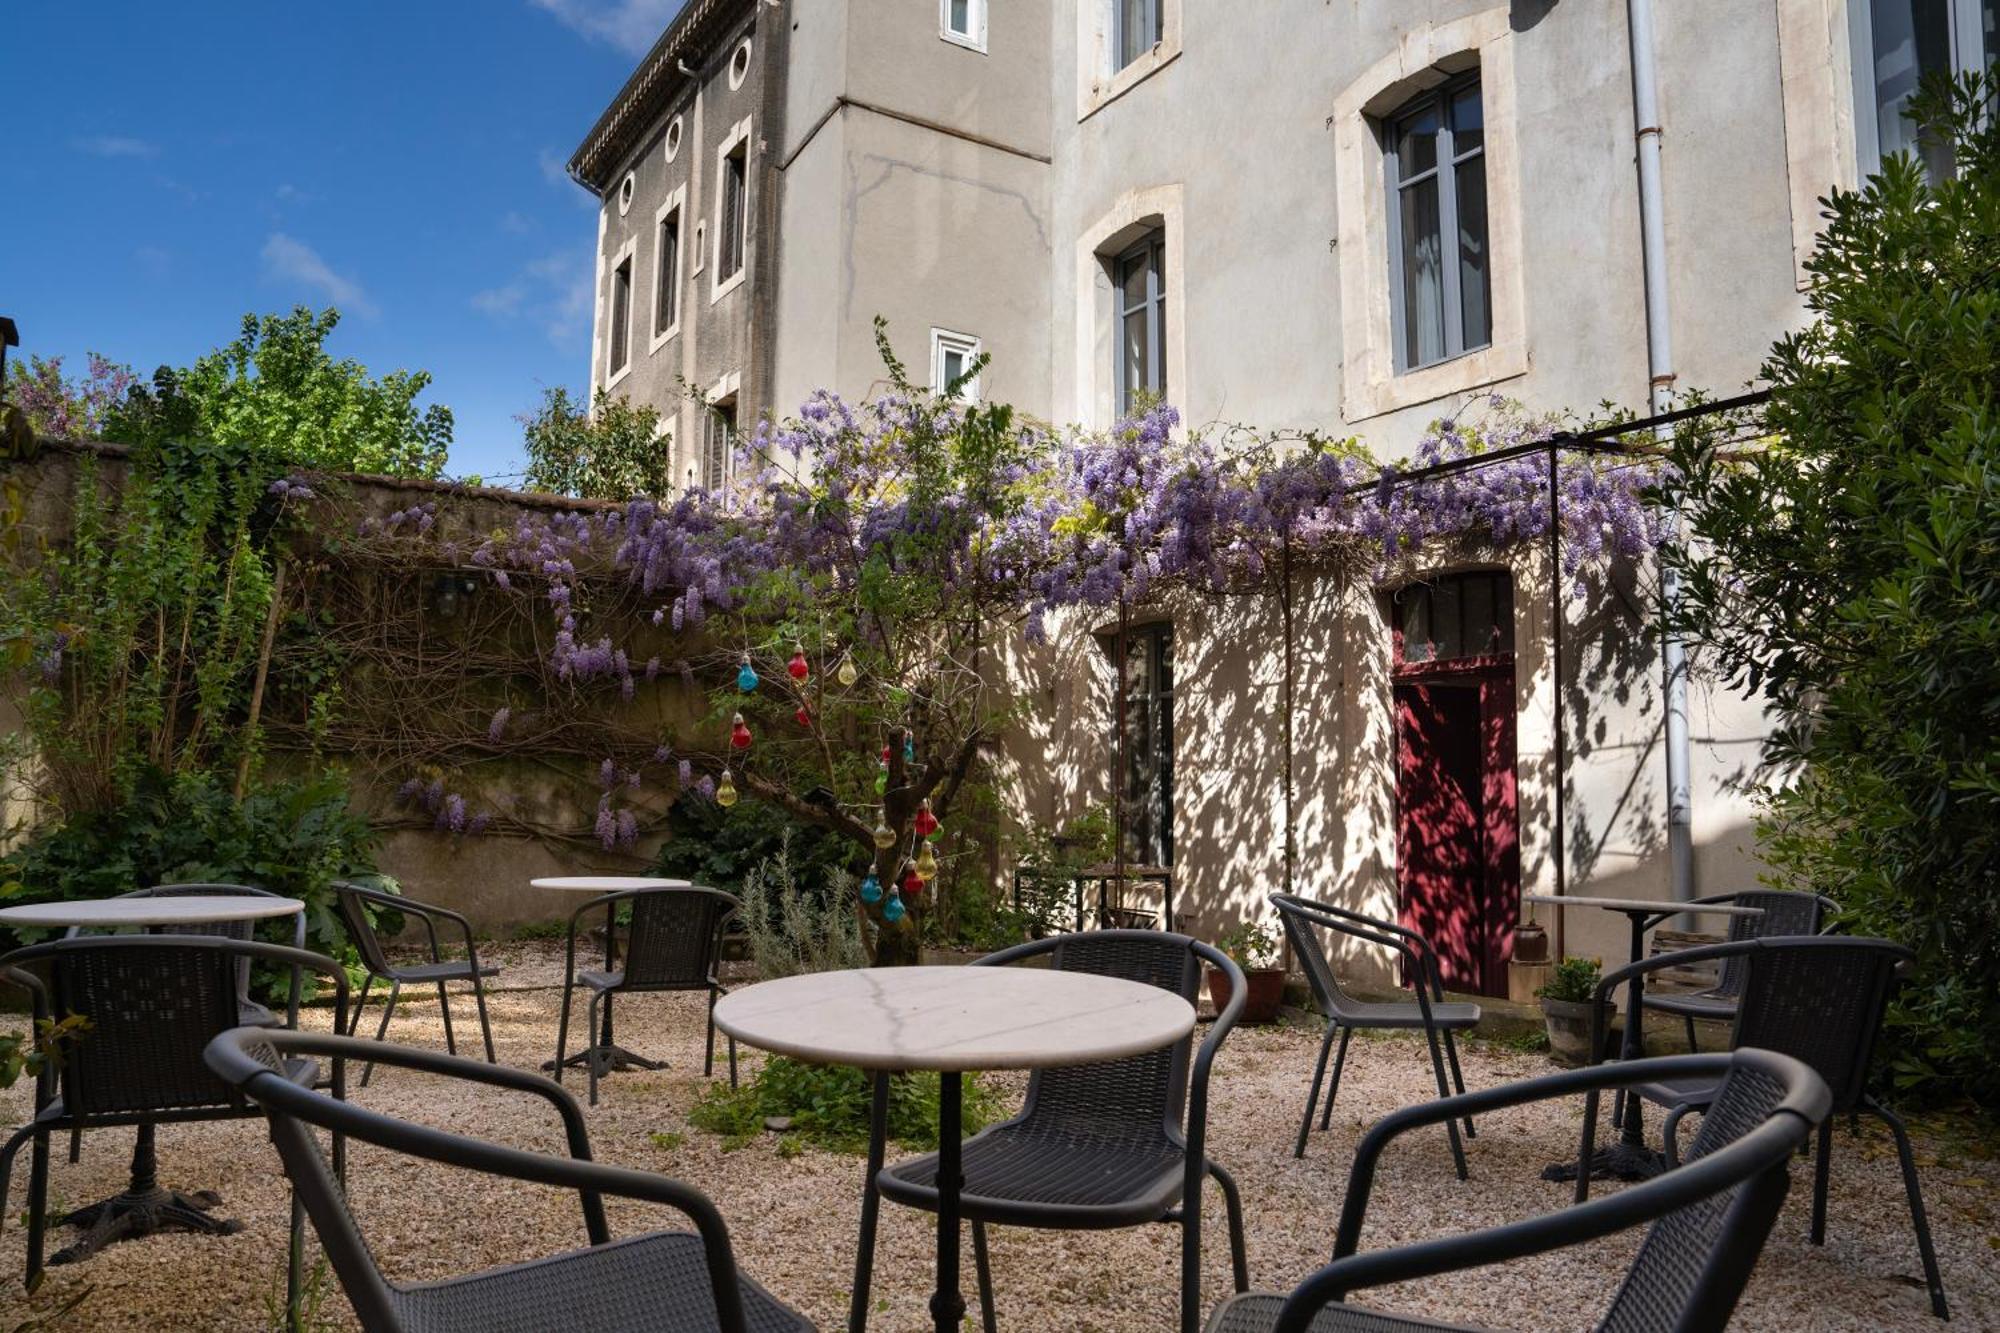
(643, 1283)
(1403, 1014)
(1695, 1004)
(1019, 1174)
(1257, 1312)
(451, 969)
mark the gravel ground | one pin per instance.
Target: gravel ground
(793, 1218)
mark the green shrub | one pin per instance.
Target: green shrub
(828, 1105)
(795, 929)
(1847, 571)
(1572, 979)
(719, 848)
(293, 838)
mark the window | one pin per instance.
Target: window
(1149, 744)
(1440, 267)
(1455, 616)
(739, 65)
(1896, 44)
(718, 438)
(1140, 276)
(700, 246)
(963, 22)
(732, 225)
(621, 317)
(1136, 29)
(625, 188)
(673, 138)
(952, 355)
(666, 295)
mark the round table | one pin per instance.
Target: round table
(608, 1054)
(950, 1019)
(1630, 1158)
(146, 1206)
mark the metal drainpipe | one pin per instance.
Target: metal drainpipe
(1660, 369)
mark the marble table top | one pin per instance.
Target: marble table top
(1646, 905)
(954, 1018)
(112, 912)
(608, 883)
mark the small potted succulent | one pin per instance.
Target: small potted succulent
(1254, 949)
(1566, 1003)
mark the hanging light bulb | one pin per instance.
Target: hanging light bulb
(725, 791)
(802, 717)
(926, 865)
(739, 733)
(909, 747)
(937, 830)
(871, 888)
(913, 883)
(797, 668)
(925, 822)
(892, 911)
(746, 675)
(846, 673)
(881, 781)
(885, 837)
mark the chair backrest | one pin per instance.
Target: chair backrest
(1300, 917)
(1695, 1261)
(674, 939)
(360, 930)
(1820, 999)
(1784, 913)
(153, 1004)
(1132, 1099)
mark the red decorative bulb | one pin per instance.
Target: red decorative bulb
(739, 733)
(797, 668)
(925, 822)
(803, 718)
(913, 883)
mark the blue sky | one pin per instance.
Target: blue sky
(171, 167)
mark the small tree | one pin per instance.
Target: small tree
(1849, 571)
(613, 451)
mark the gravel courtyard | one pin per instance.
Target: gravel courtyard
(793, 1217)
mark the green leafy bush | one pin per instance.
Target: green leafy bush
(829, 1105)
(293, 838)
(794, 929)
(721, 848)
(1573, 980)
(1252, 946)
(1848, 571)
(612, 450)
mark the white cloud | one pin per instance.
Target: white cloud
(552, 293)
(516, 224)
(291, 261)
(630, 25)
(114, 145)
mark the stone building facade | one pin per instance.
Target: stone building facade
(1357, 217)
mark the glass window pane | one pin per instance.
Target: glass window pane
(1445, 635)
(1416, 143)
(1474, 271)
(621, 307)
(1137, 354)
(1477, 604)
(1138, 29)
(1468, 124)
(1423, 274)
(961, 17)
(1989, 23)
(1912, 38)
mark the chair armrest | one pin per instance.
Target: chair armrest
(1611, 981)
(1770, 1144)
(1204, 1057)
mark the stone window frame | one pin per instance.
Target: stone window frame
(1099, 80)
(1427, 56)
(1154, 208)
(626, 259)
(721, 284)
(676, 203)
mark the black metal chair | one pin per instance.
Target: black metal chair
(1819, 999)
(1709, 1218)
(1096, 1146)
(1344, 1014)
(658, 1280)
(1784, 913)
(673, 942)
(354, 900)
(151, 1004)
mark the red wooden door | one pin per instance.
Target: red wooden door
(1458, 856)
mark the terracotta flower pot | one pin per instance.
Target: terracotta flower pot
(1569, 1029)
(1264, 996)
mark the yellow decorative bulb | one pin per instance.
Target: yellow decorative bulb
(927, 863)
(846, 673)
(885, 837)
(725, 791)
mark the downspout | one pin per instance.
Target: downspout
(1660, 378)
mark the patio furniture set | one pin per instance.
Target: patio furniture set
(1112, 1131)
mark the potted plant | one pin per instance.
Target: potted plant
(1566, 1004)
(1254, 949)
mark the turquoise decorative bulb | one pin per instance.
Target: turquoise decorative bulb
(909, 748)
(871, 889)
(892, 911)
(746, 677)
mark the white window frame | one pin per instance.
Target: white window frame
(623, 259)
(1963, 22)
(676, 203)
(944, 341)
(975, 17)
(720, 284)
(1100, 80)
